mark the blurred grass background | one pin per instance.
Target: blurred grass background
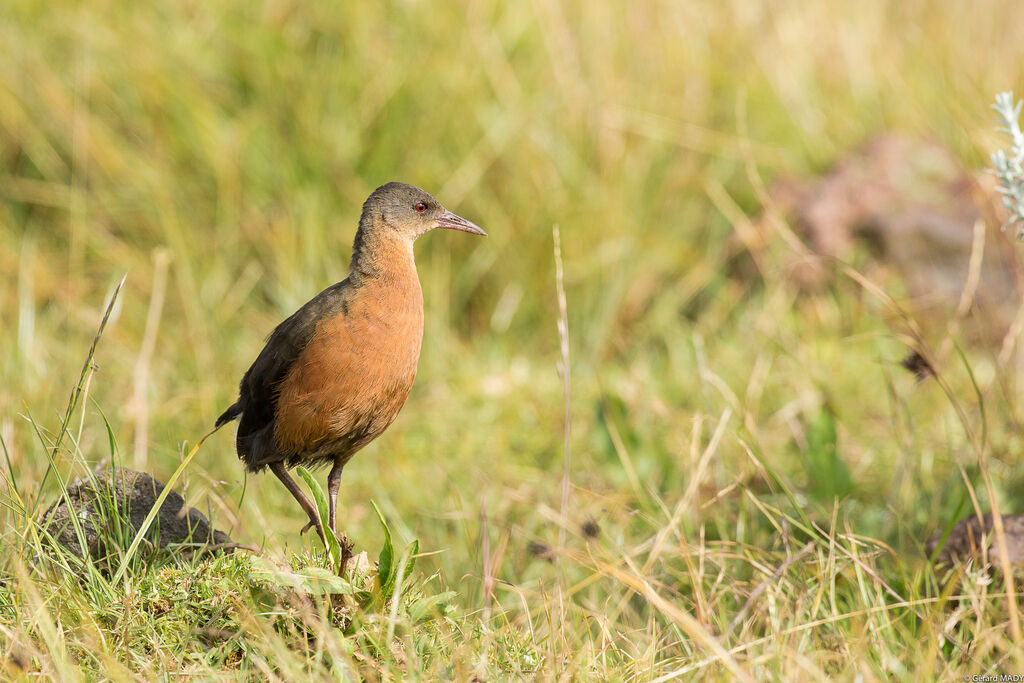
(219, 152)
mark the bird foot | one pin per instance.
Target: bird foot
(347, 552)
(347, 547)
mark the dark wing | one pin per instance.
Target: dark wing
(257, 400)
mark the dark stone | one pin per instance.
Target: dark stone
(966, 538)
(112, 506)
(913, 206)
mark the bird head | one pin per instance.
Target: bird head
(412, 212)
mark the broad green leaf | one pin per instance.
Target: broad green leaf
(308, 580)
(410, 564)
(386, 561)
(333, 547)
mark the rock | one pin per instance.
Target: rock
(966, 537)
(914, 207)
(112, 509)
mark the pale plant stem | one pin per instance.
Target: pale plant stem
(485, 553)
(563, 336)
(139, 402)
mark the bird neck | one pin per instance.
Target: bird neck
(381, 253)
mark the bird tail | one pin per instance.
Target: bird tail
(230, 414)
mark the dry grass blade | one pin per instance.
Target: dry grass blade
(86, 370)
(688, 624)
(979, 443)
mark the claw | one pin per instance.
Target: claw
(314, 524)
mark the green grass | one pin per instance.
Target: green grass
(218, 153)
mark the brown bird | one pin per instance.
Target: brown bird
(334, 375)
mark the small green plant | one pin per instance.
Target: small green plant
(394, 584)
(393, 570)
(830, 477)
(1007, 164)
(389, 566)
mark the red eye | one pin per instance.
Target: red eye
(421, 207)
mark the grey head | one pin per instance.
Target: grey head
(410, 211)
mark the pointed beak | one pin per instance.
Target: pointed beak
(454, 222)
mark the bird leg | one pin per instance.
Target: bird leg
(314, 519)
(333, 484)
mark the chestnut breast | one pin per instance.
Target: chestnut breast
(352, 378)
